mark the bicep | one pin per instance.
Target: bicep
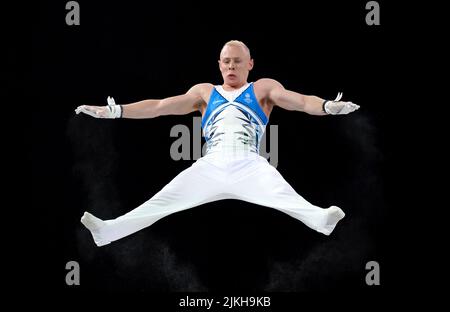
(286, 99)
(180, 104)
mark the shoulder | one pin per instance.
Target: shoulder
(267, 84)
(201, 88)
(201, 91)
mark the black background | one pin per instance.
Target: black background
(139, 50)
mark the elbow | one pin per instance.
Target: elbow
(157, 109)
(302, 104)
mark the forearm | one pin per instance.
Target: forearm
(141, 109)
(313, 105)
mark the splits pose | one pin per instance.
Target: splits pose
(234, 117)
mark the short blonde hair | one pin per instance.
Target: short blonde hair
(237, 43)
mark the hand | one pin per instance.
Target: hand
(110, 111)
(338, 107)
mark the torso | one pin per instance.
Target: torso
(261, 93)
(235, 119)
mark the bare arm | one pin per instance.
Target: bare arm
(313, 105)
(291, 100)
(175, 105)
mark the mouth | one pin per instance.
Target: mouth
(231, 76)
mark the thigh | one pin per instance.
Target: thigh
(264, 185)
(197, 184)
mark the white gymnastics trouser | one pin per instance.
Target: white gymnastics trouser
(214, 177)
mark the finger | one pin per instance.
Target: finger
(89, 112)
(349, 107)
(81, 109)
(354, 106)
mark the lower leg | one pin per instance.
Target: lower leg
(190, 188)
(266, 187)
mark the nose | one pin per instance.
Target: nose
(231, 65)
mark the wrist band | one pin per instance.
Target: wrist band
(323, 106)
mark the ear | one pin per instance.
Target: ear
(250, 64)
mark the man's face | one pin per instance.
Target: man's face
(235, 64)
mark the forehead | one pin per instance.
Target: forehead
(231, 51)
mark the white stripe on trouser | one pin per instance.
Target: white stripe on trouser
(214, 177)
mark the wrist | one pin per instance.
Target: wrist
(324, 109)
(115, 111)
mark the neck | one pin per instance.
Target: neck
(228, 87)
